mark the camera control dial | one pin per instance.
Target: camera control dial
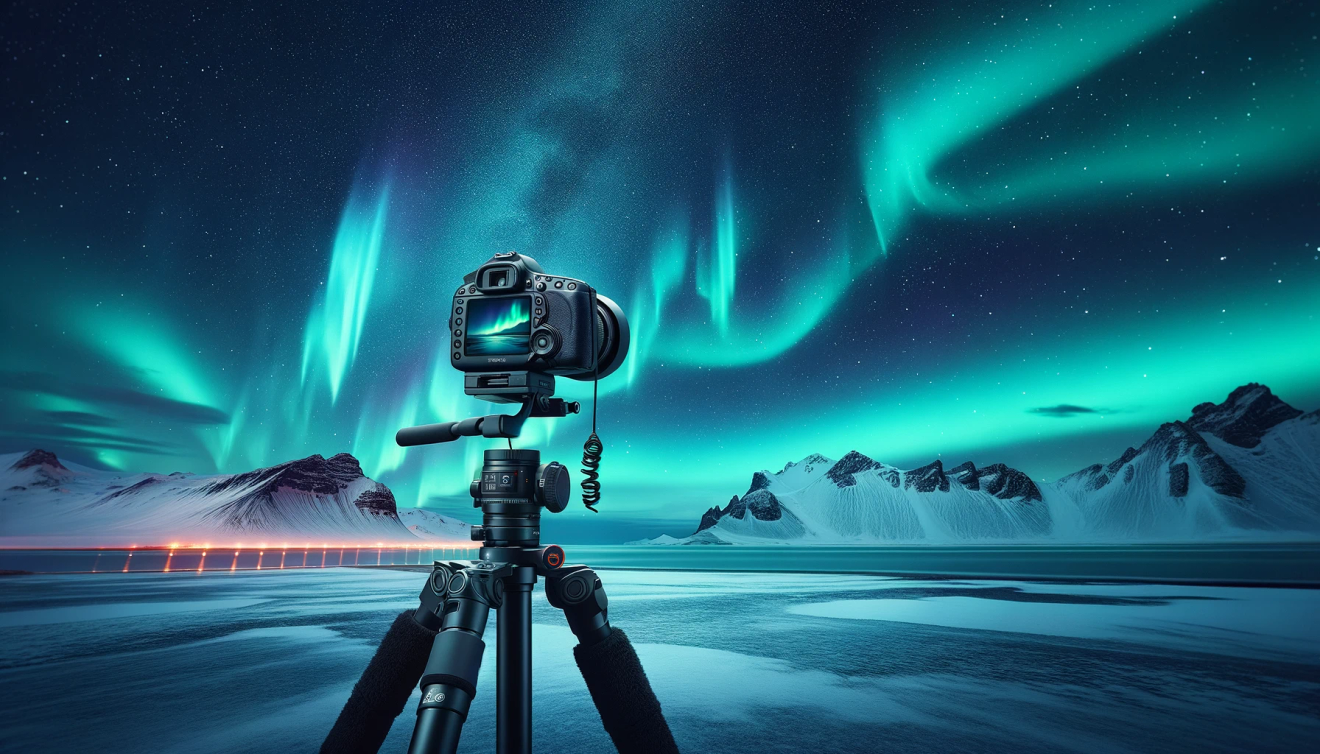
(545, 341)
(553, 487)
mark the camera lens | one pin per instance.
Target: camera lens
(612, 337)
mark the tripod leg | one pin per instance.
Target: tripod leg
(449, 681)
(448, 685)
(382, 691)
(619, 687)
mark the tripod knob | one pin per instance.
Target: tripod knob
(553, 487)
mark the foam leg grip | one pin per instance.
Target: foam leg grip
(383, 690)
(623, 696)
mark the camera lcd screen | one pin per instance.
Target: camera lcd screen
(499, 325)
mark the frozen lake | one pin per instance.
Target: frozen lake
(262, 661)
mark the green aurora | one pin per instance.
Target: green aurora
(1110, 207)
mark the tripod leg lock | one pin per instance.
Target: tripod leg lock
(455, 661)
(577, 590)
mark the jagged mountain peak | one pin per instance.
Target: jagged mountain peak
(1122, 460)
(927, 478)
(1244, 417)
(1007, 483)
(843, 473)
(38, 457)
(815, 459)
(315, 474)
(1171, 452)
(965, 474)
(760, 480)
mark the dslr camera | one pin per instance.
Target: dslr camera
(514, 327)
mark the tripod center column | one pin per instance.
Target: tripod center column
(513, 702)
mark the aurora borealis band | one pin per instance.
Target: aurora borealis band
(1024, 234)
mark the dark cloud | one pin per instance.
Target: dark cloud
(57, 434)
(1065, 410)
(78, 418)
(155, 405)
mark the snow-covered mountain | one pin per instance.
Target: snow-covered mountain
(44, 502)
(857, 499)
(1245, 468)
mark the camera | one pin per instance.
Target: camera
(512, 326)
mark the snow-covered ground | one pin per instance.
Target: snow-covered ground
(741, 662)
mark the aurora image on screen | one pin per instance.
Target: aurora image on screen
(498, 326)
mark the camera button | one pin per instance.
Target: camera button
(539, 300)
(540, 286)
(572, 286)
(559, 284)
(459, 310)
(538, 312)
(458, 321)
(458, 332)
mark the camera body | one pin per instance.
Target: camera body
(510, 317)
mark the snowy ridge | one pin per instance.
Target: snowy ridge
(859, 500)
(1248, 468)
(44, 502)
(430, 525)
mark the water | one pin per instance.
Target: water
(482, 345)
(262, 661)
(1220, 563)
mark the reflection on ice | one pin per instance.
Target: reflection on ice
(740, 661)
(1240, 622)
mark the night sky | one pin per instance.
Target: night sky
(1026, 232)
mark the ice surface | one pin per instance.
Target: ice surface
(262, 661)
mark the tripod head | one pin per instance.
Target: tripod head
(530, 389)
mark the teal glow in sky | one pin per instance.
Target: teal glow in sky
(906, 232)
(334, 327)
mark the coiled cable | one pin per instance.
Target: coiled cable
(593, 447)
(591, 450)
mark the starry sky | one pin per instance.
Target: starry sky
(1024, 233)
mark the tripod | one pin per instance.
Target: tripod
(439, 646)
